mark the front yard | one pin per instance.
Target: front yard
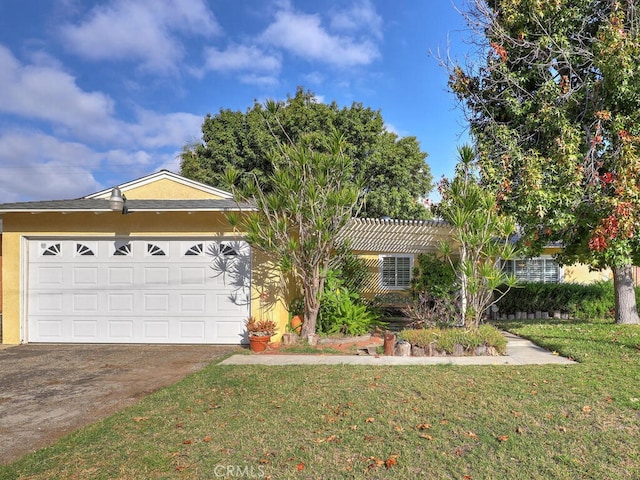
(437, 422)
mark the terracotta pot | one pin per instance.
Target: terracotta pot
(296, 324)
(258, 344)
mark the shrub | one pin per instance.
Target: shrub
(428, 310)
(433, 276)
(446, 338)
(592, 301)
(342, 311)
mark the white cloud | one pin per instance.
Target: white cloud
(242, 58)
(304, 36)
(153, 130)
(259, 80)
(45, 93)
(50, 95)
(361, 17)
(36, 166)
(145, 31)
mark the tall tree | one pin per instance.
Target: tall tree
(312, 196)
(482, 235)
(555, 109)
(396, 176)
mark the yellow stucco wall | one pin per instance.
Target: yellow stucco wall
(580, 273)
(265, 297)
(165, 188)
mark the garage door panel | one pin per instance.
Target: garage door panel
(121, 331)
(193, 303)
(230, 331)
(120, 303)
(157, 331)
(48, 275)
(118, 276)
(156, 276)
(83, 276)
(85, 330)
(86, 302)
(137, 291)
(156, 303)
(196, 275)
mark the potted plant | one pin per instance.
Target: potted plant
(296, 310)
(260, 333)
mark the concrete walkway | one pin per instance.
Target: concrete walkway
(519, 352)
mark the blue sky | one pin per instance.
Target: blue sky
(93, 94)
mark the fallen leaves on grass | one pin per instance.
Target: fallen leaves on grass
(300, 466)
(423, 426)
(331, 438)
(503, 438)
(140, 419)
(378, 462)
(587, 409)
(391, 461)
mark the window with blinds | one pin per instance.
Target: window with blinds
(544, 270)
(395, 271)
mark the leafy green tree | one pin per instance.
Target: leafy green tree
(481, 237)
(396, 176)
(554, 107)
(296, 221)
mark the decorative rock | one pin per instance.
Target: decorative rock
(371, 350)
(531, 316)
(458, 350)
(290, 339)
(511, 316)
(545, 315)
(481, 350)
(557, 314)
(403, 349)
(538, 314)
(417, 351)
(312, 339)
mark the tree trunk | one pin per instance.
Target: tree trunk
(626, 310)
(310, 321)
(311, 291)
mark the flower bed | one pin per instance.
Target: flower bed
(486, 340)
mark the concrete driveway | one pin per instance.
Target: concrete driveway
(47, 391)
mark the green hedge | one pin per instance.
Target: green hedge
(581, 301)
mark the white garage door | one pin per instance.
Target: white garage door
(138, 290)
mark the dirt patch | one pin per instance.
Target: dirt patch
(47, 391)
(337, 345)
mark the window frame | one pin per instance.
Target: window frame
(381, 271)
(543, 259)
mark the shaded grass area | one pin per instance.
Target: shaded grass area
(437, 422)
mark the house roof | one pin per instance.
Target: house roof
(102, 205)
(99, 201)
(395, 236)
(163, 175)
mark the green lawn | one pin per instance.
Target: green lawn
(324, 422)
